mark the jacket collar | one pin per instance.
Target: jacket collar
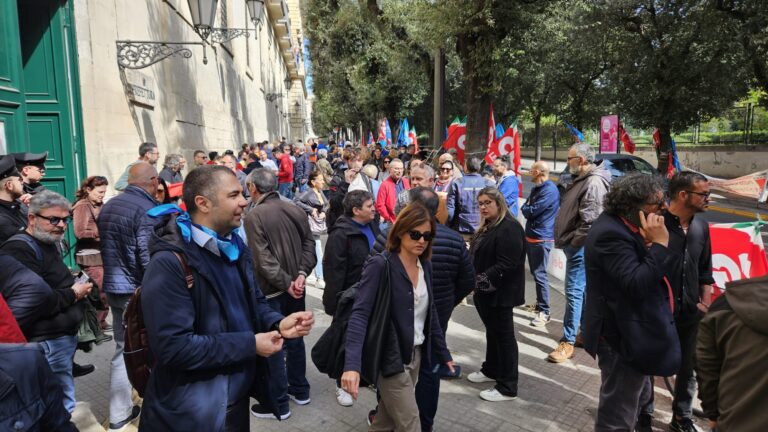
(135, 190)
(268, 196)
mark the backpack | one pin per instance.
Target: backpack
(329, 353)
(136, 354)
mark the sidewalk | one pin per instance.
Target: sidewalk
(551, 397)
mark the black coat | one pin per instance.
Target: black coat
(346, 250)
(12, 219)
(453, 276)
(628, 302)
(500, 254)
(28, 296)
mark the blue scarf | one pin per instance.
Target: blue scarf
(228, 248)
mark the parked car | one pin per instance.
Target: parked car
(618, 164)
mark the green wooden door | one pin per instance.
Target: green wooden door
(12, 99)
(50, 85)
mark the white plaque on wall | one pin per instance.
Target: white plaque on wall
(140, 88)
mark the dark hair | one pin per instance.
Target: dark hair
(355, 200)
(253, 156)
(167, 198)
(630, 193)
(413, 215)
(198, 152)
(506, 160)
(146, 147)
(202, 181)
(314, 175)
(473, 165)
(213, 155)
(684, 180)
(426, 197)
(90, 183)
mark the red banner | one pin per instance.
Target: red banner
(737, 253)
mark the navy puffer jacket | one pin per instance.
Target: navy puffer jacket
(453, 276)
(125, 230)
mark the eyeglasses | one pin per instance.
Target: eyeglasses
(573, 157)
(417, 235)
(386, 161)
(701, 194)
(484, 203)
(446, 169)
(55, 220)
(658, 204)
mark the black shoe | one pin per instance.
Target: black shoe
(682, 425)
(644, 423)
(262, 412)
(134, 414)
(78, 371)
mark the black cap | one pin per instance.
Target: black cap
(8, 167)
(31, 159)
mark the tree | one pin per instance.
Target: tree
(673, 63)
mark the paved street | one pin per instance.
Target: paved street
(551, 397)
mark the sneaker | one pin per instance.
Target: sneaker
(320, 284)
(343, 398)
(371, 416)
(262, 412)
(531, 308)
(644, 423)
(682, 425)
(299, 400)
(134, 414)
(78, 370)
(479, 377)
(493, 395)
(541, 319)
(563, 352)
(579, 342)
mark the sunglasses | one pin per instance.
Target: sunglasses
(701, 194)
(55, 220)
(416, 235)
(446, 169)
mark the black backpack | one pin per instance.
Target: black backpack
(329, 351)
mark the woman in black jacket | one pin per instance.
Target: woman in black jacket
(314, 202)
(413, 318)
(498, 253)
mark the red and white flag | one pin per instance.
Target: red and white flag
(456, 140)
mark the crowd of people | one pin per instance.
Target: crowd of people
(225, 253)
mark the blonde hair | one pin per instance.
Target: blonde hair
(501, 202)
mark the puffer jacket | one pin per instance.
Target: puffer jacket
(582, 203)
(283, 246)
(29, 297)
(125, 230)
(453, 276)
(463, 212)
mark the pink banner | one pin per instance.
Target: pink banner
(748, 186)
(609, 134)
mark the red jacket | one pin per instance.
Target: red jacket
(285, 175)
(387, 198)
(9, 328)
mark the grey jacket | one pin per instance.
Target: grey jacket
(581, 204)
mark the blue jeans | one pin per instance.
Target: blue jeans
(538, 258)
(285, 189)
(59, 353)
(288, 368)
(575, 284)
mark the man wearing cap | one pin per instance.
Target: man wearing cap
(32, 169)
(13, 218)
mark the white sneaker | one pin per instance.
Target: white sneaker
(320, 284)
(311, 279)
(479, 377)
(540, 320)
(343, 398)
(493, 395)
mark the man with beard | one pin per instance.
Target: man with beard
(12, 218)
(37, 249)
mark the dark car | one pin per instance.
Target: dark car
(618, 164)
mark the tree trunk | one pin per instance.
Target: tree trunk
(662, 153)
(478, 103)
(537, 134)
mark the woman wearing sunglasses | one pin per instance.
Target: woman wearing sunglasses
(498, 253)
(416, 334)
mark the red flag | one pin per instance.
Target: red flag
(656, 138)
(456, 141)
(491, 152)
(629, 145)
(412, 138)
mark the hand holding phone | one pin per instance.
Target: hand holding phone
(82, 278)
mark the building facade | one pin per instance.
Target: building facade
(63, 91)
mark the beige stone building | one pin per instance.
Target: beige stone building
(251, 89)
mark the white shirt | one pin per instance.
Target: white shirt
(420, 306)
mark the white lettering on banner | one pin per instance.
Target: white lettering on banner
(725, 270)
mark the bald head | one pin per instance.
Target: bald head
(143, 175)
(540, 172)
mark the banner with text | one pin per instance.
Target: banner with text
(609, 134)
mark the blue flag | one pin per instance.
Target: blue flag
(576, 133)
(673, 153)
(500, 130)
(402, 136)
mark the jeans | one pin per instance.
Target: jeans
(288, 368)
(427, 394)
(685, 382)
(319, 252)
(301, 187)
(538, 258)
(501, 352)
(120, 402)
(575, 284)
(59, 353)
(285, 189)
(623, 390)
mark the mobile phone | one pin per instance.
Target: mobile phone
(82, 278)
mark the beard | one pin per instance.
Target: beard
(574, 171)
(45, 236)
